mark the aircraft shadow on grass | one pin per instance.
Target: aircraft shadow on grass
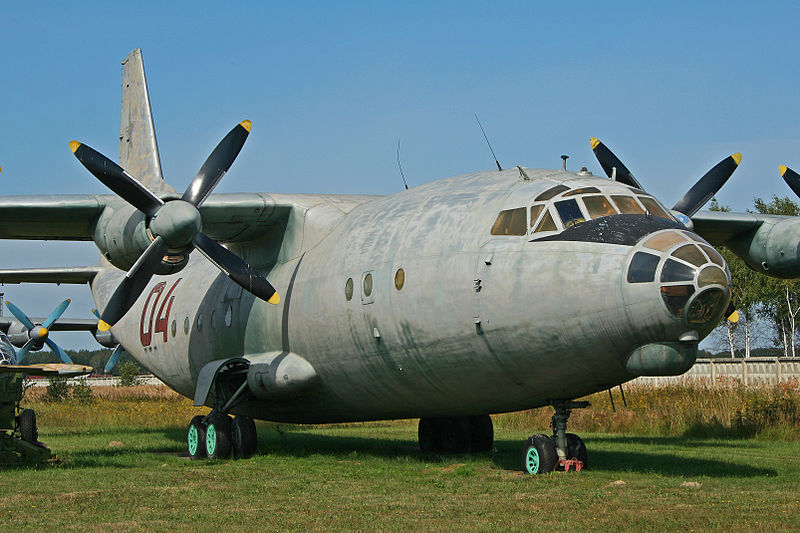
(507, 455)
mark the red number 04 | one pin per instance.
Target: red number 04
(162, 317)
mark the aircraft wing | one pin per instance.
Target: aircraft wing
(718, 227)
(47, 369)
(230, 217)
(62, 324)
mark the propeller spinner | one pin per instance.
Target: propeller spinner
(175, 224)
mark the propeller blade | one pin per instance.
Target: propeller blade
(115, 178)
(55, 314)
(112, 361)
(19, 315)
(133, 284)
(217, 164)
(22, 352)
(791, 178)
(235, 268)
(708, 185)
(609, 161)
(57, 350)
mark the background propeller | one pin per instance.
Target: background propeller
(175, 224)
(691, 202)
(38, 335)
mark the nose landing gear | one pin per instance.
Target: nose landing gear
(563, 451)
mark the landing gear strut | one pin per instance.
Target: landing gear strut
(564, 451)
(218, 435)
(456, 434)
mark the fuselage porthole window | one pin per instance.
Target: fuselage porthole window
(399, 279)
(348, 289)
(186, 325)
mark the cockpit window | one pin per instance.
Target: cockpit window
(691, 254)
(628, 205)
(599, 206)
(675, 271)
(511, 222)
(643, 267)
(536, 210)
(712, 254)
(654, 208)
(547, 223)
(551, 192)
(664, 241)
(569, 212)
(583, 190)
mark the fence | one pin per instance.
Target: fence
(749, 371)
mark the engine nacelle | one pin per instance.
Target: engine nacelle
(106, 339)
(18, 336)
(772, 249)
(122, 236)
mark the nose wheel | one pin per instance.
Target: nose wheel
(563, 451)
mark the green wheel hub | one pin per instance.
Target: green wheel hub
(211, 439)
(532, 460)
(194, 440)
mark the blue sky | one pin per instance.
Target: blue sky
(331, 87)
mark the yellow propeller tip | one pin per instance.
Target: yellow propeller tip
(103, 326)
(74, 145)
(734, 317)
(246, 124)
(594, 141)
(275, 299)
(782, 169)
(737, 157)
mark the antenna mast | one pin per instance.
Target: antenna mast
(487, 142)
(402, 175)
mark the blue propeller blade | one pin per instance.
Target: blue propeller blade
(56, 349)
(55, 314)
(112, 361)
(24, 350)
(19, 315)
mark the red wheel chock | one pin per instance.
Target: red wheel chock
(564, 465)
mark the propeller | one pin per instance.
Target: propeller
(175, 224)
(791, 178)
(691, 202)
(38, 335)
(115, 355)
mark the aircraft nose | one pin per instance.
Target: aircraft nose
(676, 287)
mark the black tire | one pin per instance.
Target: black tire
(455, 434)
(27, 426)
(218, 437)
(539, 455)
(481, 433)
(428, 434)
(196, 438)
(244, 436)
(576, 449)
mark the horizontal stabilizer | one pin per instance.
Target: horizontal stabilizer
(72, 275)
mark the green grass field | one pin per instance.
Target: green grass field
(117, 474)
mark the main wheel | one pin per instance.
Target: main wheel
(481, 433)
(245, 439)
(577, 449)
(27, 426)
(539, 455)
(218, 437)
(429, 435)
(455, 434)
(196, 438)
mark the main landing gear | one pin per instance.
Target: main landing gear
(456, 434)
(218, 436)
(562, 451)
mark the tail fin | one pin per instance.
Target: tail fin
(138, 149)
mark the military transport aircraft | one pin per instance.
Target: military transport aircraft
(478, 294)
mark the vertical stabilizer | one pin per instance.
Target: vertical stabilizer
(138, 149)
